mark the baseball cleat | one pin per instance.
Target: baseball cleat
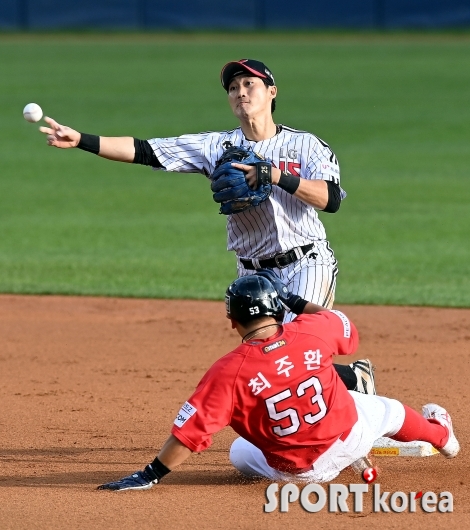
(365, 376)
(431, 411)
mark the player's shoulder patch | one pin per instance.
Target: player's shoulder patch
(186, 411)
(345, 320)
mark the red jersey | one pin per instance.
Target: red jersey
(282, 394)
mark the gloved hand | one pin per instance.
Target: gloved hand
(229, 183)
(140, 480)
(292, 301)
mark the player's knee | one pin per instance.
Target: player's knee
(394, 416)
(238, 453)
(246, 458)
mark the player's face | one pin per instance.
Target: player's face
(249, 96)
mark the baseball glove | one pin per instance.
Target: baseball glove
(230, 186)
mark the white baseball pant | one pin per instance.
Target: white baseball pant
(377, 416)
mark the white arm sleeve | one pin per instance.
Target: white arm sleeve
(183, 154)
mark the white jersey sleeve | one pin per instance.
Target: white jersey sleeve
(182, 154)
(322, 163)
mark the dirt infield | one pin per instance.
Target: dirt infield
(90, 387)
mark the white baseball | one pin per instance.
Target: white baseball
(32, 112)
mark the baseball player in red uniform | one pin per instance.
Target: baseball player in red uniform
(279, 392)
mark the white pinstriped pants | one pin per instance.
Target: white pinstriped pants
(377, 416)
(314, 279)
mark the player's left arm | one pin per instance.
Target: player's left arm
(315, 193)
(319, 181)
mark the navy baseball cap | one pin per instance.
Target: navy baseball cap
(245, 66)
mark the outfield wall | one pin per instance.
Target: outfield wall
(248, 14)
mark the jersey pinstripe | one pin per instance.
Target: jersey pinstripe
(283, 221)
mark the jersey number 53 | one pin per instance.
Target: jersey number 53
(316, 399)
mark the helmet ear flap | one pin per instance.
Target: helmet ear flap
(252, 297)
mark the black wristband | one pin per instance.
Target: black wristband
(158, 469)
(89, 142)
(297, 304)
(288, 182)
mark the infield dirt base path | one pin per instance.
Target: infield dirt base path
(90, 388)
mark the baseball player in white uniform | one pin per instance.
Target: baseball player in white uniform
(284, 232)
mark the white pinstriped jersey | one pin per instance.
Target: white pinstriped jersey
(280, 223)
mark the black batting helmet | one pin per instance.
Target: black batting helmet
(251, 297)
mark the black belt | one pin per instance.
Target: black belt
(280, 260)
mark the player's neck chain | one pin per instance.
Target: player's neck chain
(258, 331)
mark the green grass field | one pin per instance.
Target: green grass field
(395, 108)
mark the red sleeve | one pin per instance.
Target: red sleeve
(209, 409)
(335, 328)
(344, 335)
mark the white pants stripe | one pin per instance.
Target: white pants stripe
(377, 416)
